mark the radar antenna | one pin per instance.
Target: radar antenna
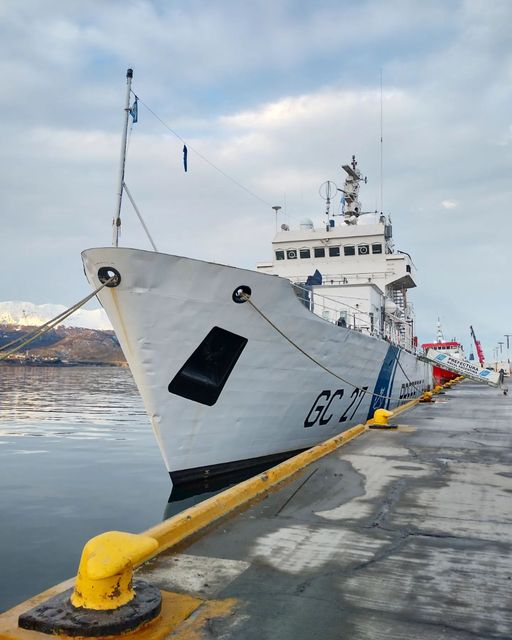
(327, 190)
(352, 208)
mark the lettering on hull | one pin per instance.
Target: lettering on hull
(327, 406)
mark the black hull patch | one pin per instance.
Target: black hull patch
(205, 373)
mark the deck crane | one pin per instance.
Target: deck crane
(478, 347)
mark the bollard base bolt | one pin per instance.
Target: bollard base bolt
(58, 616)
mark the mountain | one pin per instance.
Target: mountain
(29, 314)
(63, 346)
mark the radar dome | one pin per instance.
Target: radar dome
(306, 224)
(390, 306)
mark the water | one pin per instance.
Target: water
(77, 457)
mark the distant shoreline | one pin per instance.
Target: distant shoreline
(60, 347)
(17, 363)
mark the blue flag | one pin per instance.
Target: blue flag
(315, 279)
(185, 154)
(134, 111)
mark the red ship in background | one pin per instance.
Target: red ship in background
(452, 347)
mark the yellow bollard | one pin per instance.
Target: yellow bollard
(380, 420)
(380, 417)
(438, 388)
(104, 579)
(104, 601)
(426, 397)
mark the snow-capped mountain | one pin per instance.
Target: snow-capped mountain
(30, 314)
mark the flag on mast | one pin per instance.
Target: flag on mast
(134, 110)
(185, 154)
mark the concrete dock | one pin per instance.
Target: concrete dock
(398, 534)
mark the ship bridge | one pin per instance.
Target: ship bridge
(361, 274)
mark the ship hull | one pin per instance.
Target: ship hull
(441, 376)
(228, 384)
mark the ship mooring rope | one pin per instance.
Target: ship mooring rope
(398, 362)
(247, 298)
(26, 339)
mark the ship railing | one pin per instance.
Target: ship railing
(329, 309)
(346, 278)
(336, 311)
(361, 276)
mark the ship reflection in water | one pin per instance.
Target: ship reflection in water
(187, 495)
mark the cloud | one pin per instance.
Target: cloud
(449, 204)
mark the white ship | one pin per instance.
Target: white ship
(239, 367)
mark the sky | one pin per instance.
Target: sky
(277, 95)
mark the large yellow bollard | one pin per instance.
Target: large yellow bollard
(426, 397)
(104, 579)
(104, 601)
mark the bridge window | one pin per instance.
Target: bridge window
(319, 252)
(280, 254)
(349, 250)
(363, 249)
(377, 248)
(291, 254)
(408, 268)
(304, 253)
(334, 252)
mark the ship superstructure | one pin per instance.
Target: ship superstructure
(361, 281)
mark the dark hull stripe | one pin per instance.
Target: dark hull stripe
(225, 469)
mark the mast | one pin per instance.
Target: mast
(381, 151)
(116, 223)
(440, 336)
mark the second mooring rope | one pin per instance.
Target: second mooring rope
(26, 339)
(247, 298)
